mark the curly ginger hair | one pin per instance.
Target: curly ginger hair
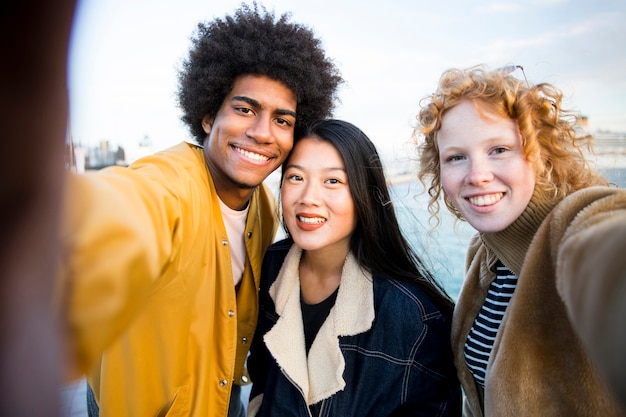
(552, 141)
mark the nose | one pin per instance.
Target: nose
(310, 194)
(479, 172)
(261, 129)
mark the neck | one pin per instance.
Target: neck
(320, 275)
(235, 195)
(235, 201)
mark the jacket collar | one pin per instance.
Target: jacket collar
(320, 375)
(511, 244)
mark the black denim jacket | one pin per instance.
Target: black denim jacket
(401, 366)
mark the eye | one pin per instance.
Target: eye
(336, 181)
(293, 177)
(244, 110)
(500, 149)
(284, 122)
(453, 158)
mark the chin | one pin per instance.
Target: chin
(482, 228)
(245, 185)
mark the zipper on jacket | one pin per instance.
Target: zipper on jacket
(322, 407)
(291, 381)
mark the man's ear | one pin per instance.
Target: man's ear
(207, 124)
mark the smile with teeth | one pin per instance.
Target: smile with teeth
(252, 155)
(485, 200)
(311, 220)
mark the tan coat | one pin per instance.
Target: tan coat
(560, 322)
(148, 286)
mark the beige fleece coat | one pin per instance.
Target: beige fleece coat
(563, 335)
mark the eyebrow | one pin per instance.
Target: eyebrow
(490, 141)
(255, 103)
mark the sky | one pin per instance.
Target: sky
(125, 56)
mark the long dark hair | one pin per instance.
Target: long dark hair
(377, 242)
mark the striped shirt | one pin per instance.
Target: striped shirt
(483, 333)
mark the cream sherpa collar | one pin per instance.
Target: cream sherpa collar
(320, 375)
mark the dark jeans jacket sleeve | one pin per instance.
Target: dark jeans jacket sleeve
(260, 358)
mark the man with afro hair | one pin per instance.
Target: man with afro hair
(161, 259)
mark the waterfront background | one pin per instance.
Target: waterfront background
(125, 57)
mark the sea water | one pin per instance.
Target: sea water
(442, 249)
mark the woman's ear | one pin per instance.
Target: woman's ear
(207, 124)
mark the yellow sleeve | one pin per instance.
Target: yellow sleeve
(117, 233)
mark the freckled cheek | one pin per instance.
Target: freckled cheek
(449, 181)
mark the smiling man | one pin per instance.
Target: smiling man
(161, 268)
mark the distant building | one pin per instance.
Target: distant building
(98, 157)
(609, 142)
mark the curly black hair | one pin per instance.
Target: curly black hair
(253, 42)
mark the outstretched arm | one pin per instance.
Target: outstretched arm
(592, 283)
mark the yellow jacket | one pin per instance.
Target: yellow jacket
(147, 287)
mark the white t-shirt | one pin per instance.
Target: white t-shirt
(235, 222)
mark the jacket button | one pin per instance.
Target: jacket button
(225, 242)
(223, 383)
(244, 379)
(249, 235)
(231, 313)
(244, 340)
